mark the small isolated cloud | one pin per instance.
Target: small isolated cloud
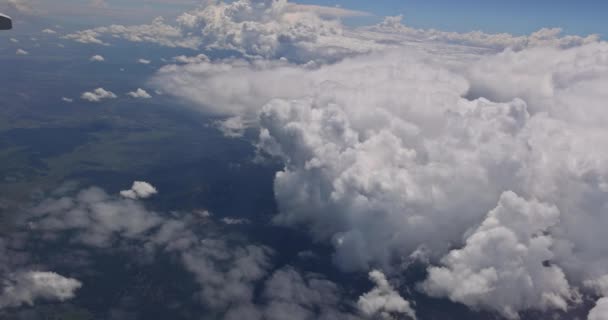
(27, 287)
(383, 300)
(66, 99)
(139, 190)
(98, 95)
(139, 94)
(97, 58)
(205, 214)
(235, 221)
(143, 61)
(233, 127)
(49, 31)
(21, 52)
(13, 40)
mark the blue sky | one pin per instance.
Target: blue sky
(513, 16)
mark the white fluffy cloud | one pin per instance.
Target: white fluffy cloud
(49, 31)
(139, 94)
(97, 58)
(275, 29)
(28, 287)
(600, 311)
(507, 263)
(98, 95)
(139, 190)
(384, 164)
(249, 27)
(21, 52)
(143, 61)
(359, 171)
(383, 300)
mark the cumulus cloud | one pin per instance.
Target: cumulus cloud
(251, 28)
(143, 61)
(556, 80)
(600, 311)
(66, 99)
(383, 300)
(49, 31)
(139, 94)
(506, 264)
(27, 287)
(13, 40)
(398, 152)
(139, 190)
(275, 29)
(98, 95)
(21, 52)
(97, 58)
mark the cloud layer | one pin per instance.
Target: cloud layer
(276, 29)
(406, 151)
(228, 270)
(476, 152)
